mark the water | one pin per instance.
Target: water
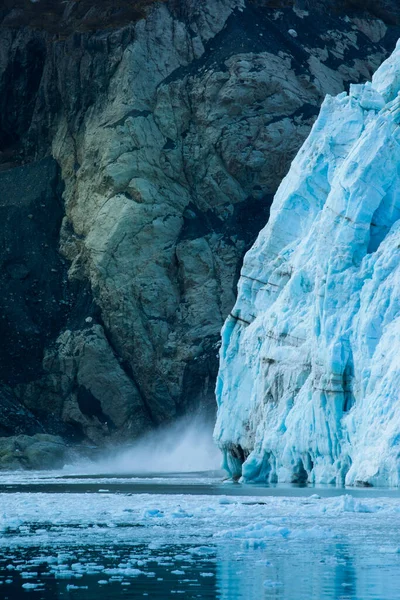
(108, 537)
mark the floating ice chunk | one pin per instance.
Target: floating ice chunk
(155, 546)
(389, 550)
(153, 513)
(64, 574)
(350, 504)
(202, 550)
(63, 556)
(126, 572)
(31, 586)
(71, 587)
(269, 583)
(225, 500)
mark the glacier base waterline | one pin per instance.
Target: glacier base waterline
(308, 387)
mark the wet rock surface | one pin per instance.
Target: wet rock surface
(155, 147)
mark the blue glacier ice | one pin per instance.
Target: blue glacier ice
(309, 381)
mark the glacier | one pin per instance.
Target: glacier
(309, 380)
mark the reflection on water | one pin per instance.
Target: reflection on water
(104, 544)
(329, 572)
(322, 572)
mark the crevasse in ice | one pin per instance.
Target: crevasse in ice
(309, 381)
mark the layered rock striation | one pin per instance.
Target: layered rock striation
(309, 378)
(140, 150)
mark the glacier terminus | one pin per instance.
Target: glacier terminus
(309, 381)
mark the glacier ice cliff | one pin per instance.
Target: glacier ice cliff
(308, 388)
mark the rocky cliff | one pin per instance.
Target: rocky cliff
(141, 145)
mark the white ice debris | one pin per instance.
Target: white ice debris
(252, 541)
(253, 518)
(309, 376)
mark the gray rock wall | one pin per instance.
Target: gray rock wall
(171, 134)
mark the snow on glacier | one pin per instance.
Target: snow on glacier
(309, 379)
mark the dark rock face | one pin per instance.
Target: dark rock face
(61, 17)
(138, 161)
(21, 79)
(15, 418)
(387, 10)
(33, 275)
